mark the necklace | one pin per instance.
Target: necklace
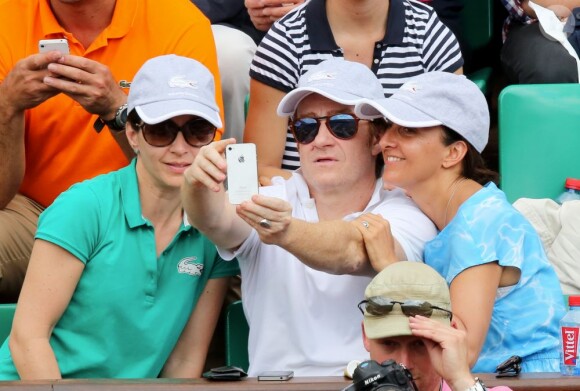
(454, 190)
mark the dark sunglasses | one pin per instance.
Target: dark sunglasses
(341, 126)
(197, 132)
(381, 306)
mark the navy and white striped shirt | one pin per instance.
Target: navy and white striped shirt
(415, 42)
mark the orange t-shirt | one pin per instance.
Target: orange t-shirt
(62, 147)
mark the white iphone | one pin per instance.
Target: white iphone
(48, 45)
(242, 172)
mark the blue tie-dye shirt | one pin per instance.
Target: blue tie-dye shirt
(525, 316)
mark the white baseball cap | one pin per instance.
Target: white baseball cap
(169, 86)
(435, 98)
(339, 80)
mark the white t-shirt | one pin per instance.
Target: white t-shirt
(306, 320)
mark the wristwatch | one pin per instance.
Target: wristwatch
(118, 123)
(478, 386)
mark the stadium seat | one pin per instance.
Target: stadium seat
(477, 25)
(237, 331)
(6, 316)
(246, 106)
(539, 139)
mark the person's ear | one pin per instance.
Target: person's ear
(365, 339)
(132, 137)
(455, 154)
(375, 138)
(375, 147)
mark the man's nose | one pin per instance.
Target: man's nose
(323, 136)
(405, 358)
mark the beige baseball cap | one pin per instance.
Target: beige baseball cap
(405, 281)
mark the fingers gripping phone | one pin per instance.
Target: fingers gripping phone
(275, 375)
(48, 45)
(242, 172)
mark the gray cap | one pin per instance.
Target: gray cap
(341, 81)
(168, 86)
(435, 98)
(400, 281)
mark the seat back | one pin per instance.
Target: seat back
(477, 33)
(539, 139)
(237, 331)
(477, 23)
(6, 316)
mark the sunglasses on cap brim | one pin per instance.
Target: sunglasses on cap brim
(382, 306)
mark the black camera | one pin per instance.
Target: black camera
(388, 376)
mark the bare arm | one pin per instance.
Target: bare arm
(266, 129)
(51, 278)
(188, 357)
(11, 149)
(472, 299)
(93, 86)
(205, 201)
(570, 4)
(336, 246)
(22, 89)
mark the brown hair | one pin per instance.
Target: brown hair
(377, 128)
(473, 165)
(134, 119)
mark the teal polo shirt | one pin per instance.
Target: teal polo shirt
(130, 306)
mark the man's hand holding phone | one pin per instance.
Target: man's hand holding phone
(24, 84)
(88, 82)
(242, 172)
(209, 167)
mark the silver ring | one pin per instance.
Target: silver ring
(265, 223)
(365, 224)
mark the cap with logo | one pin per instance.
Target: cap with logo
(169, 86)
(339, 80)
(401, 281)
(435, 98)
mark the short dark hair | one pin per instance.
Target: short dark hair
(473, 165)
